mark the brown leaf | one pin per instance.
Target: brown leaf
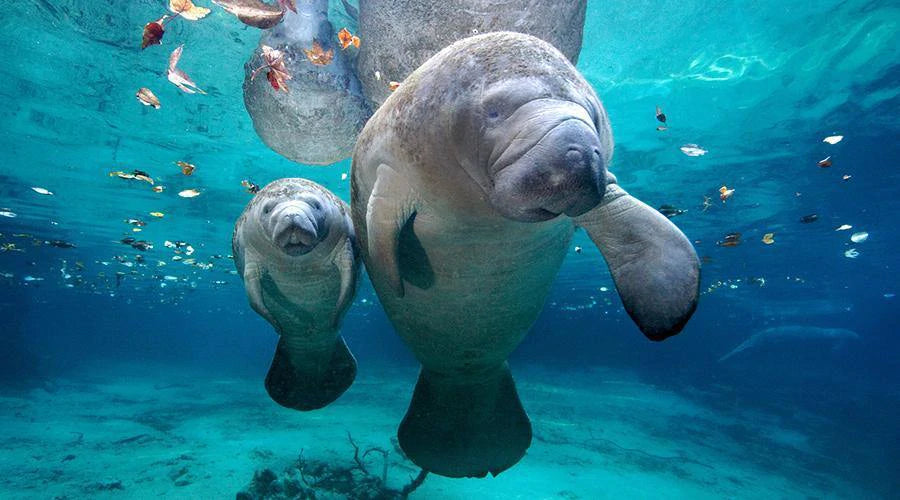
(277, 74)
(825, 163)
(317, 55)
(253, 12)
(147, 98)
(178, 77)
(392, 85)
(187, 9)
(347, 39)
(186, 168)
(153, 32)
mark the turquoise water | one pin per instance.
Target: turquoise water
(758, 86)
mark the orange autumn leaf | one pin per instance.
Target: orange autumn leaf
(186, 168)
(725, 193)
(187, 9)
(319, 56)
(153, 32)
(392, 85)
(346, 38)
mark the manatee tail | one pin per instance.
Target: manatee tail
(302, 383)
(465, 428)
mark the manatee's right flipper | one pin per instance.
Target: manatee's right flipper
(465, 428)
(253, 287)
(389, 208)
(294, 382)
(655, 267)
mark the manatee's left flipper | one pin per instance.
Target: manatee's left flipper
(345, 262)
(389, 208)
(654, 266)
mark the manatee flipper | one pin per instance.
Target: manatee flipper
(303, 382)
(389, 208)
(465, 428)
(253, 286)
(653, 264)
(344, 261)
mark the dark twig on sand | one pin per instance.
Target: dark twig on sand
(415, 483)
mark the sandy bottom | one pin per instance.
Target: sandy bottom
(114, 433)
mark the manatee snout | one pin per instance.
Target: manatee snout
(297, 226)
(563, 173)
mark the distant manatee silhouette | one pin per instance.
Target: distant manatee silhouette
(779, 334)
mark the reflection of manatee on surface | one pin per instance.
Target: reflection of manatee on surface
(465, 203)
(400, 35)
(318, 120)
(295, 248)
(782, 334)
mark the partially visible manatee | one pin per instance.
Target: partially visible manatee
(398, 36)
(784, 334)
(317, 121)
(295, 248)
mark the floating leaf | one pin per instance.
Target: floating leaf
(806, 219)
(153, 32)
(274, 61)
(40, 190)
(660, 115)
(189, 193)
(768, 238)
(730, 240)
(147, 97)
(250, 186)
(159, 189)
(851, 254)
(833, 139)
(843, 227)
(859, 237)
(846, 177)
(346, 38)
(725, 193)
(158, 215)
(178, 77)
(825, 163)
(254, 12)
(187, 9)
(186, 168)
(317, 55)
(693, 150)
(8, 213)
(392, 85)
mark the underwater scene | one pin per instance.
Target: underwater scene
(457, 249)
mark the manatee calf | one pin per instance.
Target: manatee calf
(467, 185)
(400, 35)
(294, 246)
(317, 120)
(789, 333)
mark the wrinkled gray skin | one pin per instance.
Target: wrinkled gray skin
(318, 120)
(467, 185)
(399, 35)
(295, 248)
(782, 334)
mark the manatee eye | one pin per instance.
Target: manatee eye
(493, 114)
(267, 208)
(315, 204)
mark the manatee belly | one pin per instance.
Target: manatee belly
(473, 289)
(304, 304)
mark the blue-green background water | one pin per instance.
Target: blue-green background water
(758, 85)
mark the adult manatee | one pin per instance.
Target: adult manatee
(294, 247)
(400, 35)
(318, 120)
(791, 333)
(467, 185)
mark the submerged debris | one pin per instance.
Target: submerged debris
(347, 39)
(670, 211)
(250, 186)
(186, 168)
(189, 193)
(768, 238)
(317, 55)
(660, 115)
(851, 254)
(859, 237)
(833, 139)
(806, 219)
(730, 240)
(725, 193)
(40, 190)
(178, 77)
(825, 163)
(693, 150)
(147, 98)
